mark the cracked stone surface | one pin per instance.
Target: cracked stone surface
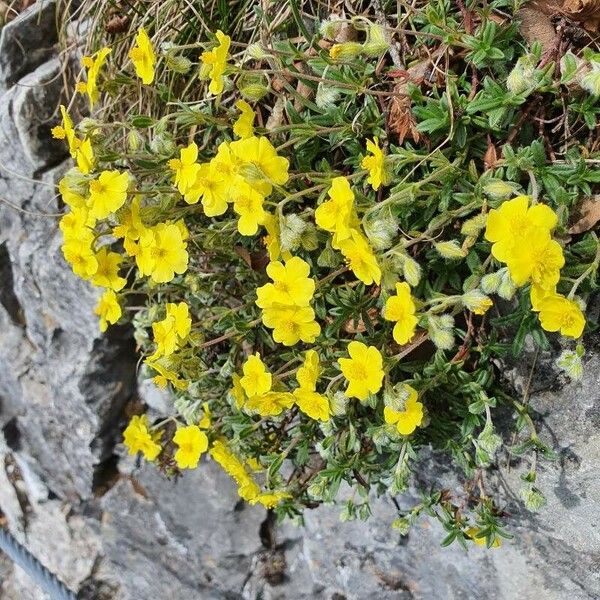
(114, 529)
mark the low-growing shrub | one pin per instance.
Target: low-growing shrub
(328, 231)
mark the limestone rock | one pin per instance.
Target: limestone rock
(27, 42)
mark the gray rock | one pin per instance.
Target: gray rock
(115, 530)
(27, 42)
(36, 111)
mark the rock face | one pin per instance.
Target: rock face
(114, 529)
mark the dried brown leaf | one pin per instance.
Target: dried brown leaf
(589, 215)
(586, 12)
(117, 24)
(536, 24)
(490, 158)
(401, 120)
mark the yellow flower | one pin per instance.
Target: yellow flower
(82, 258)
(237, 392)
(410, 418)
(166, 376)
(312, 404)
(248, 204)
(269, 404)
(186, 168)
(137, 438)
(182, 322)
(558, 313)
(271, 499)
(143, 58)
(108, 309)
(537, 294)
(192, 442)
(76, 224)
(291, 285)
(211, 186)
(215, 62)
(107, 274)
(108, 193)
(363, 370)
(93, 66)
(256, 380)
(291, 324)
(260, 162)
(70, 193)
(172, 331)
(474, 534)
(165, 338)
(337, 215)
(539, 258)
(247, 488)
(360, 257)
(510, 225)
(206, 420)
(84, 155)
(375, 164)
(271, 240)
(131, 226)
(66, 131)
(162, 252)
(228, 165)
(401, 308)
(308, 374)
(243, 127)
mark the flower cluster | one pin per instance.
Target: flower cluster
(521, 238)
(285, 303)
(338, 216)
(315, 297)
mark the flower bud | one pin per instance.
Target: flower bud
(253, 91)
(178, 63)
(377, 41)
(291, 229)
(345, 51)
(532, 498)
(163, 144)
(507, 287)
(134, 140)
(520, 79)
(473, 226)
(498, 189)
(450, 250)
(88, 126)
(338, 403)
(256, 51)
(488, 440)
(330, 28)
(491, 282)
(75, 181)
(412, 271)
(396, 397)
(477, 302)
(381, 232)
